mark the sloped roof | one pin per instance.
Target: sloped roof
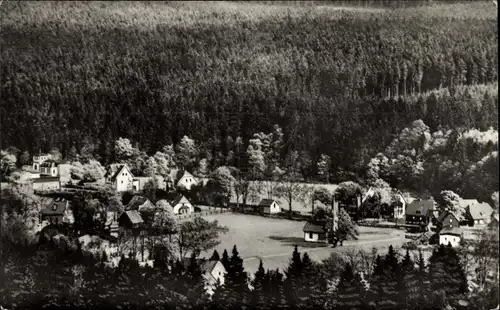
(56, 206)
(176, 200)
(119, 168)
(46, 180)
(445, 214)
(48, 163)
(317, 227)
(136, 202)
(427, 235)
(267, 202)
(423, 206)
(134, 217)
(176, 174)
(451, 231)
(480, 210)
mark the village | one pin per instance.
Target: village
(122, 228)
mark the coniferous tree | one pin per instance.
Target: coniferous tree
(236, 291)
(225, 260)
(384, 283)
(350, 292)
(215, 256)
(195, 284)
(293, 277)
(258, 295)
(446, 273)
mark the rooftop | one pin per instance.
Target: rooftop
(420, 207)
(56, 206)
(46, 180)
(451, 231)
(316, 227)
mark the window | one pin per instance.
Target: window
(122, 182)
(54, 207)
(310, 235)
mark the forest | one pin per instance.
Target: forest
(340, 83)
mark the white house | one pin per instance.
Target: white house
(451, 235)
(479, 212)
(49, 168)
(120, 177)
(181, 205)
(39, 159)
(269, 206)
(315, 232)
(213, 271)
(182, 178)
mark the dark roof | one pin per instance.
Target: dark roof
(317, 227)
(451, 231)
(425, 207)
(56, 207)
(176, 174)
(134, 216)
(266, 202)
(46, 179)
(136, 202)
(444, 215)
(176, 200)
(48, 163)
(427, 235)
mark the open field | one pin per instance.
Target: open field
(272, 240)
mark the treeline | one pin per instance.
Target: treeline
(66, 277)
(73, 76)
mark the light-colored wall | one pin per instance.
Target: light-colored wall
(275, 208)
(187, 181)
(46, 186)
(123, 182)
(180, 204)
(218, 272)
(445, 239)
(309, 238)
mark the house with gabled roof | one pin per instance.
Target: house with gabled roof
(479, 213)
(448, 219)
(55, 211)
(49, 168)
(130, 219)
(181, 178)
(420, 212)
(213, 272)
(181, 205)
(120, 177)
(451, 236)
(269, 206)
(315, 231)
(144, 206)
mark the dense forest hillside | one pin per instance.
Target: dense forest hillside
(338, 82)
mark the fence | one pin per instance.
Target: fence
(202, 213)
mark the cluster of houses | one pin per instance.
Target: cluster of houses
(45, 174)
(450, 227)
